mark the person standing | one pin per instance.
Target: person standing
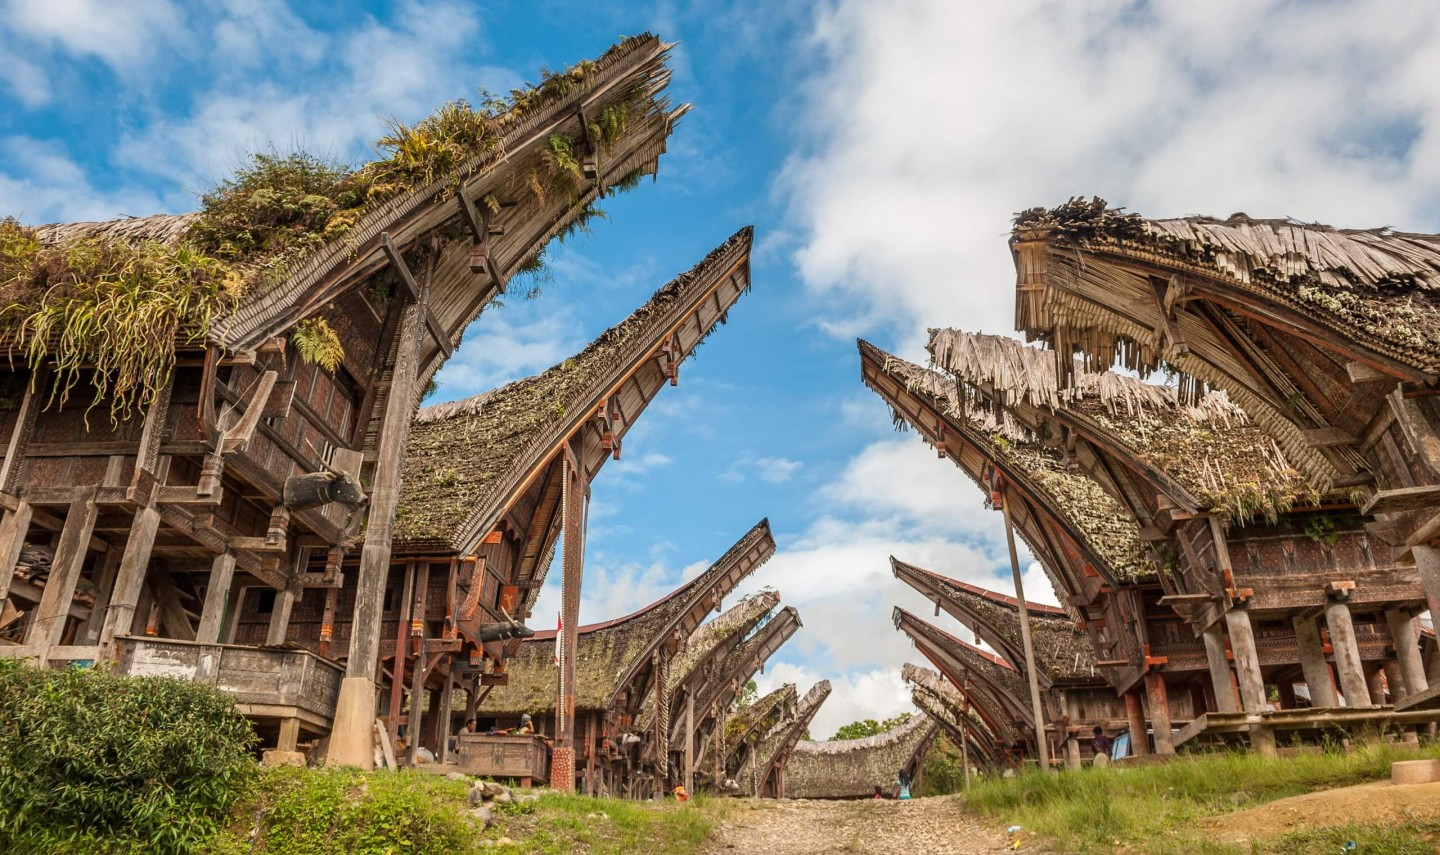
(1102, 746)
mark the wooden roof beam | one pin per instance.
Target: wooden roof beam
(420, 295)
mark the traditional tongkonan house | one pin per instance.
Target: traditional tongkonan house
(854, 768)
(199, 404)
(954, 710)
(1329, 339)
(1088, 545)
(1075, 694)
(997, 694)
(1203, 482)
(621, 670)
(762, 772)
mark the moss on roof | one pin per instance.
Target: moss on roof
(1379, 286)
(935, 696)
(458, 454)
(785, 732)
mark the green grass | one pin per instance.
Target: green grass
(1411, 838)
(562, 824)
(321, 811)
(1154, 809)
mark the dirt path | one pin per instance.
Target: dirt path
(931, 825)
(1376, 803)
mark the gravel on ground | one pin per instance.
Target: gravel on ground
(938, 824)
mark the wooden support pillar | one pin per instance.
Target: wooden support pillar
(1394, 683)
(280, 617)
(217, 595)
(1032, 672)
(172, 611)
(1135, 712)
(14, 525)
(445, 719)
(351, 735)
(573, 481)
(65, 568)
(1375, 684)
(1318, 678)
(1405, 631)
(1220, 680)
(1347, 654)
(1159, 708)
(1247, 660)
(689, 742)
(418, 669)
(1286, 690)
(397, 666)
(134, 564)
(289, 734)
(1427, 564)
(90, 630)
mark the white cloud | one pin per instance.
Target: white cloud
(120, 34)
(772, 470)
(877, 694)
(24, 78)
(47, 186)
(933, 122)
(507, 344)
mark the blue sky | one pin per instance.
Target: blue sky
(879, 148)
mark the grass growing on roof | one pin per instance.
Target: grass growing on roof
(318, 344)
(1154, 809)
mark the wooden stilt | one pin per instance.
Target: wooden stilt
(134, 563)
(397, 672)
(1375, 684)
(1347, 654)
(65, 569)
(689, 742)
(1220, 679)
(1139, 736)
(1405, 632)
(90, 630)
(1041, 742)
(417, 670)
(14, 525)
(217, 594)
(1312, 662)
(562, 773)
(1159, 708)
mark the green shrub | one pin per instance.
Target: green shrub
(95, 763)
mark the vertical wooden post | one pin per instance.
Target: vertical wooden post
(397, 667)
(1159, 704)
(1139, 737)
(90, 629)
(1312, 662)
(1252, 682)
(65, 569)
(1072, 751)
(351, 735)
(417, 670)
(1394, 681)
(13, 528)
(1220, 681)
(327, 620)
(965, 730)
(1406, 635)
(443, 717)
(1375, 684)
(1042, 745)
(285, 600)
(689, 741)
(1347, 654)
(289, 734)
(562, 773)
(1427, 564)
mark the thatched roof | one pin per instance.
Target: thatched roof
(851, 768)
(991, 671)
(781, 738)
(748, 725)
(1209, 447)
(935, 696)
(464, 459)
(1379, 287)
(608, 652)
(1109, 531)
(1062, 652)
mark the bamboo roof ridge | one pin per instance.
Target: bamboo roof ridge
(854, 767)
(994, 671)
(1224, 461)
(609, 653)
(1379, 285)
(1062, 652)
(1108, 529)
(938, 698)
(464, 458)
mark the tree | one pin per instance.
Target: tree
(870, 727)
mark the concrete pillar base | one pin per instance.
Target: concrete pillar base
(1415, 772)
(352, 734)
(276, 757)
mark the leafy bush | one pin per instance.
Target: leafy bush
(95, 763)
(323, 811)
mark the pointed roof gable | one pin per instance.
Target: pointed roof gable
(466, 460)
(849, 768)
(783, 737)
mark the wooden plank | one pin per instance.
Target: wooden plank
(13, 527)
(173, 617)
(420, 296)
(1329, 437)
(20, 435)
(131, 578)
(238, 436)
(1360, 373)
(217, 593)
(1403, 499)
(49, 624)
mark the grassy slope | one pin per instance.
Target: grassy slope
(1154, 809)
(322, 811)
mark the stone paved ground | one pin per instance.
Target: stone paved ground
(939, 825)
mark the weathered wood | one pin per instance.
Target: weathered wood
(1221, 682)
(1158, 705)
(1405, 632)
(1347, 654)
(131, 578)
(1330, 437)
(1318, 678)
(420, 295)
(573, 570)
(14, 525)
(1360, 373)
(1032, 673)
(21, 434)
(421, 665)
(217, 594)
(1403, 499)
(89, 633)
(172, 612)
(1422, 436)
(49, 624)
(238, 436)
